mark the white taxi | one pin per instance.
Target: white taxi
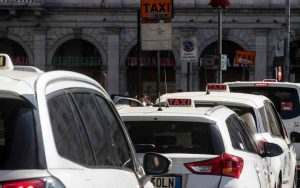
(286, 98)
(60, 129)
(209, 146)
(261, 117)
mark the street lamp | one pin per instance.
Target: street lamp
(220, 5)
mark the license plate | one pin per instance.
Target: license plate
(166, 182)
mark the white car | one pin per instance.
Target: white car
(209, 147)
(261, 117)
(60, 129)
(286, 98)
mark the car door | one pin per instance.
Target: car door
(255, 172)
(279, 137)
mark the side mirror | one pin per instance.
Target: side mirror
(271, 150)
(155, 164)
(295, 137)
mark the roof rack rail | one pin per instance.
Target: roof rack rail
(211, 110)
(28, 69)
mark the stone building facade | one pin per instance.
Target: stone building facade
(100, 36)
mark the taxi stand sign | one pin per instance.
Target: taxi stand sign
(211, 87)
(157, 9)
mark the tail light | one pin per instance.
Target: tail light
(224, 165)
(25, 184)
(48, 182)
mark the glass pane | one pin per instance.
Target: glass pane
(176, 137)
(95, 129)
(66, 134)
(18, 146)
(286, 100)
(119, 141)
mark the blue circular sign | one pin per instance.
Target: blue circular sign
(188, 46)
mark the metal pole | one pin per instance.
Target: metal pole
(139, 52)
(158, 80)
(220, 41)
(158, 74)
(188, 76)
(287, 41)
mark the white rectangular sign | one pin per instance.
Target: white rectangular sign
(189, 49)
(156, 36)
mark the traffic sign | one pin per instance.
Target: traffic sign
(189, 49)
(224, 62)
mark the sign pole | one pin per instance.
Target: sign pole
(188, 76)
(139, 52)
(287, 41)
(158, 74)
(158, 79)
(220, 42)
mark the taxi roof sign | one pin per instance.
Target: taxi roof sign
(5, 62)
(217, 87)
(180, 102)
(269, 80)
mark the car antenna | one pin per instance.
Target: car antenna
(159, 104)
(207, 91)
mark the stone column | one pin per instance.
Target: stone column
(261, 40)
(39, 51)
(113, 57)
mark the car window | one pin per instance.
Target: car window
(66, 133)
(118, 138)
(273, 120)
(264, 119)
(240, 137)
(286, 100)
(99, 141)
(18, 144)
(175, 137)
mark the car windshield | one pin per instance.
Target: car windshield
(175, 137)
(18, 147)
(286, 100)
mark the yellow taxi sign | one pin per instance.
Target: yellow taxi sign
(2, 61)
(5, 62)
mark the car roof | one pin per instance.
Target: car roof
(24, 80)
(212, 114)
(251, 100)
(21, 82)
(270, 84)
(237, 98)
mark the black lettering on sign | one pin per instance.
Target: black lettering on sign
(154, 8)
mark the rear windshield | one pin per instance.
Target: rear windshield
(175, 137)
(286, 100)
(246, 113)
(18, 147)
